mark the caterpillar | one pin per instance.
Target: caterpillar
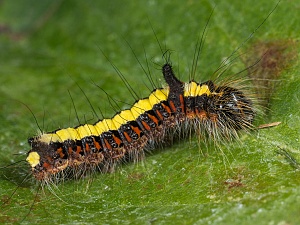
(218, 111)
(209, 109)
(207, 124)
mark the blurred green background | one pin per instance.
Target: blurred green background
(48, 47)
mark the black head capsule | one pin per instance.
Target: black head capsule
(44, 158)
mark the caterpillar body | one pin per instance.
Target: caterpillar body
(217, 111)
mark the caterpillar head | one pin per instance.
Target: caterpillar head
(44, 159)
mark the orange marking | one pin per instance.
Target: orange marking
(46, 165)
(167, 108)
(181, 99)
(70, 150)
(173, 108)
(145, 125)
(107, 145)
(87, 147)
(59, 151)
(137, 130)
(154, 119)
(159, 115)
(128, 138)
(117, 140)
(97, 145)
(78, 149)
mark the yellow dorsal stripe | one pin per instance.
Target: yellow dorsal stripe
(109, 124)
(68, 133)
(73, 133)
(86, 130)
(203, 89)
(190, 89)
(193, 89)
(140, 107)
(105, 125)
(157, 96)
(49, 137)
(122, 118)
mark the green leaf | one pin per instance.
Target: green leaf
(48, 47)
